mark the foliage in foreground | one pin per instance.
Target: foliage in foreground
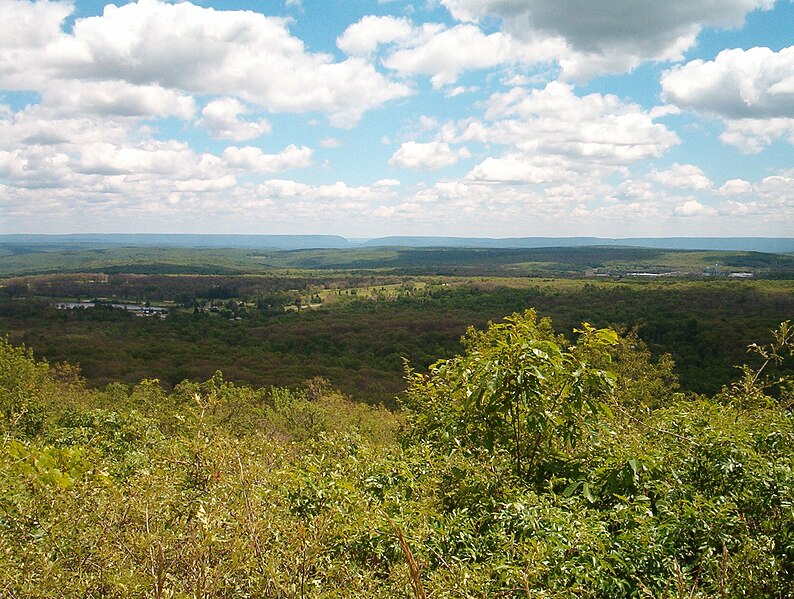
(527, 466)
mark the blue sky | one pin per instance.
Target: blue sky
(486, 118)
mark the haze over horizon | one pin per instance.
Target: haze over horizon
(39, 242)
(469, 118)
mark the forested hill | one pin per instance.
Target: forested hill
(280, 242)
(755, 244)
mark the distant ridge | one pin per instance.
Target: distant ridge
(277, 242)
(777, 245)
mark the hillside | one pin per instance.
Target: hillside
(527, 465)
(20, 259)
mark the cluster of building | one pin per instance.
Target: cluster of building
(136, 309)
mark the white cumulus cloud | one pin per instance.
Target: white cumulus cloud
(693, 208)
(753, 135)
(253, 159)
(733, 187)
(117, 98)
(221, 117)
(752, 91)
(191, 49)
(738, 84)
(608, 35)
(685, 176)
(553, 134)
(450, 52)
(427, 156)
(364, 37)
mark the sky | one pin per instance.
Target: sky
(479, 118)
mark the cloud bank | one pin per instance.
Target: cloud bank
(484, 118)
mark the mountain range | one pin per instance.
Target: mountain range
(297, 242)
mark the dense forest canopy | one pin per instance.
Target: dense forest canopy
(363, 326)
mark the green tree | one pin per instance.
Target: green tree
(518, 389)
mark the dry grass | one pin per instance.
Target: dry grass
(416, 579)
